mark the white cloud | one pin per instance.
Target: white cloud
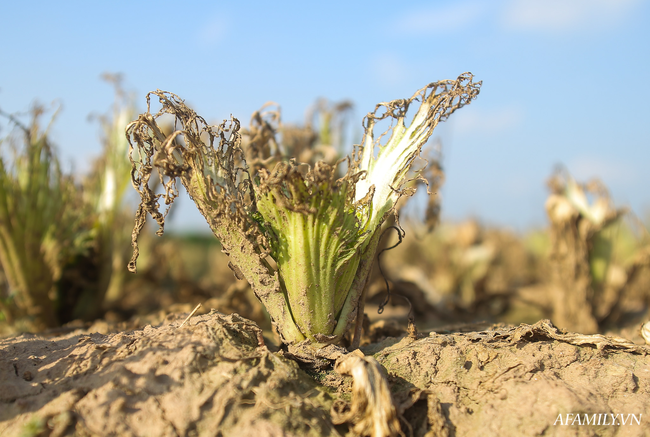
(481, 121)
(584, 168)
(566, 15)
(213, 31)
(434, 20)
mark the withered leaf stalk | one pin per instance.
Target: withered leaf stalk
(321, 231)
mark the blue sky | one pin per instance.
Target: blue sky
(564, 81)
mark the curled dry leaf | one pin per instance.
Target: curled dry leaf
(645, 332)
(371, 412)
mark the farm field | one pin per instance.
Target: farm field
(321, 305)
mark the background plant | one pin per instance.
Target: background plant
(41, 222)
(595, 255)
(104, 191)
(463, 271)
(61, 239)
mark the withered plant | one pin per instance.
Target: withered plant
(591, 265)
(303, 237)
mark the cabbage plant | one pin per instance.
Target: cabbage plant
(40, 223)
(60, 235)
(304, 238)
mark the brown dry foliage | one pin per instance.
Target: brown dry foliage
(583, 298)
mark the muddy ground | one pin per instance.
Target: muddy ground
(218, 376)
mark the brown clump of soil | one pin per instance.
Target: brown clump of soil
(215, 376)
(516, 381)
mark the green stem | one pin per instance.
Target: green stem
(316, 279)
(243, 253)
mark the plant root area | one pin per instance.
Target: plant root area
(215, 376)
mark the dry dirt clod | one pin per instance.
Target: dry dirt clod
(214, 377)
(210, 377)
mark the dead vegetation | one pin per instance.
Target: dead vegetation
(590, 272)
